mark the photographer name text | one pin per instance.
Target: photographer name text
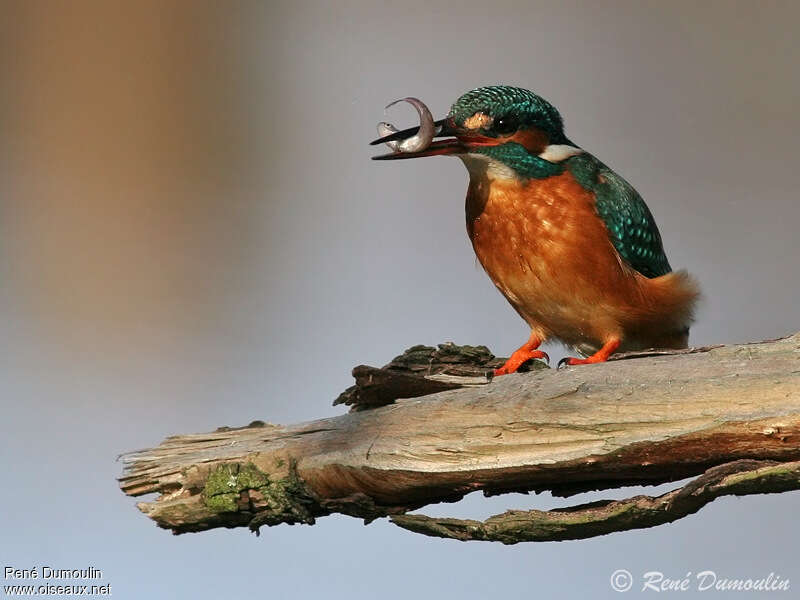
(52, 573)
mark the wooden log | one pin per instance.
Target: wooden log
(628, 422)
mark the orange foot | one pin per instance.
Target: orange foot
(522, 355)
(600, 356)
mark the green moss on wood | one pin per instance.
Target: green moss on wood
(225, 484)
(243, 487)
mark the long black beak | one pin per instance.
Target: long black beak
(443, 129)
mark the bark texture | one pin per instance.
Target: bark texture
(643, 420)
(424, 370)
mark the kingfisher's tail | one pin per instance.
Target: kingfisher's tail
(677, 294)
(666, 311)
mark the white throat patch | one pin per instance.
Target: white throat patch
(482, 165)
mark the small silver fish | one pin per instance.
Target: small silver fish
(417, 142)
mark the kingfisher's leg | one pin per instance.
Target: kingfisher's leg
(600, 356)
(524, 353)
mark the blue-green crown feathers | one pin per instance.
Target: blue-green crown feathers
(503, 100)
(518, 108)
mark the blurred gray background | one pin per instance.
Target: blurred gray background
(192, 235)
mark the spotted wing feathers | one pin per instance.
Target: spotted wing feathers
(630, 224)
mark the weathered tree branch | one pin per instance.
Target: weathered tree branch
(738, 478)
(640, 421)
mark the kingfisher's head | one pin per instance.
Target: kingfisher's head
(498, 131)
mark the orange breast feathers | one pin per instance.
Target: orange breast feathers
(546, 249)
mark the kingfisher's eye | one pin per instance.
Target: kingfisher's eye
(505, 125)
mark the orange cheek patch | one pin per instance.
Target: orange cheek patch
(533, 140)
(478, 121)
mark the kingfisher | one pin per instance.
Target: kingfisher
(568, 242)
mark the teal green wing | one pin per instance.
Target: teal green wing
(630, 225)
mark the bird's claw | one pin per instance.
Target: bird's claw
(546, 358)
(507, 370)
(563, 363)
